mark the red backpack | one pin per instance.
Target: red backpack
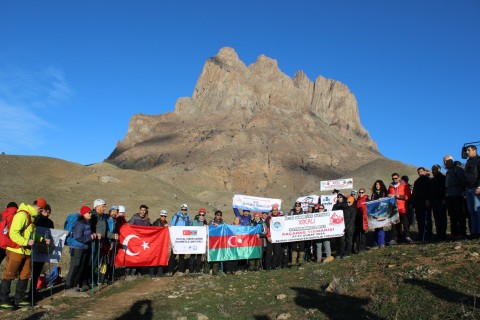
(5, 224)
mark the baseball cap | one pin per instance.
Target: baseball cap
(98, 202)
(114, 208)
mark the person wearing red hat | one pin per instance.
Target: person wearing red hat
(78, 274)
(22, 233)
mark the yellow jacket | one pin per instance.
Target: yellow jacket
(21, 231)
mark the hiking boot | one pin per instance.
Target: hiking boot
(7, 306)
(408, 239)
(23, 303)
(328, 259)
(84, 288)
(392, 243)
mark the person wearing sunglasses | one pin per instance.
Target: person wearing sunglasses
(182, 219)
(401, 192)
(379, 191)
(297, 248)
(195, 261)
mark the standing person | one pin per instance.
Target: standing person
(422, 191)
(325, 243)
(7, 217)
(297, 248)
(472, 193)
(195, 261)
(437, 202)
(111, 239)
(181, 218)
(139, 219)
(245, 217)
(255, 264)
(161, 222)
(408, 204)
(216, 221)
(345, 241)
(379, 191)
(361, 222)
(401, 192)
(340, 204)
(98, 227)
(454, 188)
(274, 252)
(22, 233)
(42, 220)
(78, 274)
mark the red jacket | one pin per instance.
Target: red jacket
(402, 193)
(362, 211)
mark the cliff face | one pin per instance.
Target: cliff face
(250, 129)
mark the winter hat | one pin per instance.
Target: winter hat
(163, 213)
(274, 205)
(84, 210)
(12, 205)
(184, 206)
(41, 203)
(98, 202)
(114, 208)
(350, 199)
(202, 210)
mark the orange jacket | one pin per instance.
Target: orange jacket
(402, 193)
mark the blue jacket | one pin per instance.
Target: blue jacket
(244, 220)
(82, 233)
(181, 220)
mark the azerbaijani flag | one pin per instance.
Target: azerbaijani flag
(228, 242)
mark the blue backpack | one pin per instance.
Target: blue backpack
(72, 218)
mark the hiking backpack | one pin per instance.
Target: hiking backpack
(72, 218)
(5, 224)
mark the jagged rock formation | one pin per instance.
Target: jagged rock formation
(251, 129)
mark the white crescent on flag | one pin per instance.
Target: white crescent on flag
(125, 243)
(236, 241)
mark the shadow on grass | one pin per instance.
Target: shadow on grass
(334, 305)
(442, 292)
(140, 310)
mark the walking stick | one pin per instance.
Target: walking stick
(92, 262)
(31, 258)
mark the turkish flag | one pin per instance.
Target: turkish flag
(142, 246)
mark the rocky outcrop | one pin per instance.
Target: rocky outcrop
(250, 128)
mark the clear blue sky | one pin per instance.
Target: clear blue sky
(72, 73)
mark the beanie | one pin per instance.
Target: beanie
(41, 203)
(84, 210)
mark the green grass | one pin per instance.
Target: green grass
(434, 281)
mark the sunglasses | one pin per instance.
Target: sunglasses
(202, 214)
(183, 210)
(349, 202)
(361, 192)
(218, 214)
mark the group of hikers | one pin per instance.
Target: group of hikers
(94, 233)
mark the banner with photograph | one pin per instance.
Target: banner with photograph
(42, 252)
(307, 200)
(328, 201)
(339, 184)
(243, 202)
(310, 226)
(382, 212)
(188, 240)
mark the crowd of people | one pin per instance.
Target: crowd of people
(431, 200)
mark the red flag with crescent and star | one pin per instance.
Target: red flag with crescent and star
(141, 246)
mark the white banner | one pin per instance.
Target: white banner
(188, 240)
(305, 201)
(42, 252)
(251, 203)
(328, 201)
(319, 225)
(336, 184)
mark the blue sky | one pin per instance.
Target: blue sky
(72, 73)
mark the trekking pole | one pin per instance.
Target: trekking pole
(31, 258)
(114, 258)
(98, 262)
(48, 257)
(92, 262)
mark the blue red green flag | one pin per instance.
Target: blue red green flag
(229, 242)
